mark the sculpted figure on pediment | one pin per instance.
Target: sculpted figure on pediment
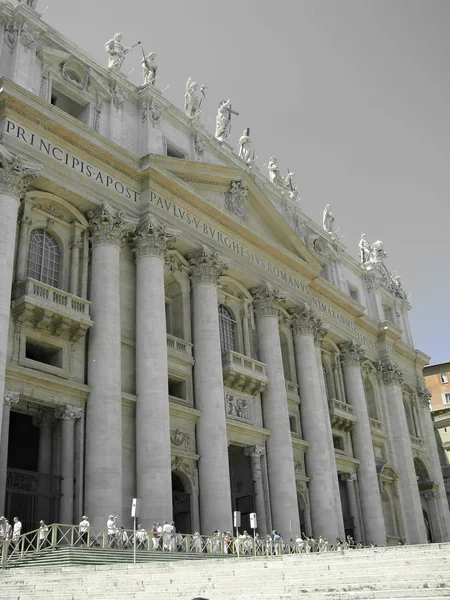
(116, 52)
(193, 98)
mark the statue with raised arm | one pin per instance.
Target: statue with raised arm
(116, 52)
(328, 220)
(246, 151)
(223, 121)
(193, 98)
(364, 249)
(149, 68)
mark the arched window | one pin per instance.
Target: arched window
(43, 257)
(227, 328)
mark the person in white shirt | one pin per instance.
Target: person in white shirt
(167, 531)
(113, 531)
(43, 535)
(17, 529)
(83, 529)
(141, 537)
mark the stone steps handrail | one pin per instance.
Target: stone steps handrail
(58, 535)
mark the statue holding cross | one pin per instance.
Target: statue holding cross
(223, 120)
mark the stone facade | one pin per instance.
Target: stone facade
(156, 343)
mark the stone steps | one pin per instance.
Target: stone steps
(406, 573)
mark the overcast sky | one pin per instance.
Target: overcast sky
(352, 95)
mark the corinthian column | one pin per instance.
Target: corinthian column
(255, 453)
(442, 534)
(15, 176)
(392, 378)
(214, 472)
(315, 426)
(103, 475)
(153, 464)
(280, 458)
(369, 492)
(10, 398)
(68, 414)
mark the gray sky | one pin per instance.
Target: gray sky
(352, 95)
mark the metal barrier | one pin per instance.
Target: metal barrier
(55, 536)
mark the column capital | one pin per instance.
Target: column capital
(108, 226)
(153, 239)
(351, 353)
(267, 300)
(11, 398)
(319, 333)
(389, 373)
(44, 419)
(206, 266)
(254, 451)
(304, 321)
(16, 173)
(348, 476)
(424, 395)
(68, 412)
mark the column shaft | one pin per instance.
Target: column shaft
(103, 474)
(353, 505)
(280, 458)
(67, 470)
(369, 492)
(153, 448)
(260, 506)
(324, 519)
(409, 492)
(10, 398)
(212, 443)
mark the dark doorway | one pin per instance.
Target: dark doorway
(181, 505)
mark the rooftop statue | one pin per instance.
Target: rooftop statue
(274, 171)
(329, 221)
(193, 98)
(223, 120)
(284, 183)
(246, 150)
(116, 52)
(371, 254)
(149, 68)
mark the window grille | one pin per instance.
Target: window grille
(43, 258)
(227, 327)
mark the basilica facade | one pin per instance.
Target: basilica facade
(174, 328)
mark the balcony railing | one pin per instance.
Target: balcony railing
(50, 309)
(376, 426)
(341, 415)
(176, 346)
(243, 373)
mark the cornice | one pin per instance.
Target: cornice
(187, 413)
(338, 297)
(58, 387)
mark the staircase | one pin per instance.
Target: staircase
(406, 572)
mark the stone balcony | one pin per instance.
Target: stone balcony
(49, 309)
(377, 426)
(292, 391)
(179, 349)
(243, 373)
(341, 415)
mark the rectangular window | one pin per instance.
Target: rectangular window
(69, 105)
(293, 423)
(173, 151)
(338, 443)
(177, 388)
(446, 398)
(43, 353)
(444, 377)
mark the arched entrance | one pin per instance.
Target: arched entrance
(426, 489)
(181, 503)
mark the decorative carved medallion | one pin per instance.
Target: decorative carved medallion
(118, 95)
(237, 407)
(28, 36)
(199, 145)
(11, 32)
(180, 438)
(236, 199)
(76, 74)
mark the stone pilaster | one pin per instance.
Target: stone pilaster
(350, 482)
(440, 497)
(255, 453)
(315, 426)
(153, 471)
(214, 475)
(390, 375)
(15, 176)
(10, 398)
(68, 414)
(280, 459)
(369, 492)
(103, 473)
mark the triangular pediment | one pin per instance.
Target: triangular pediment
(213, 183)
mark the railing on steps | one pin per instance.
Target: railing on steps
(57, 536)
